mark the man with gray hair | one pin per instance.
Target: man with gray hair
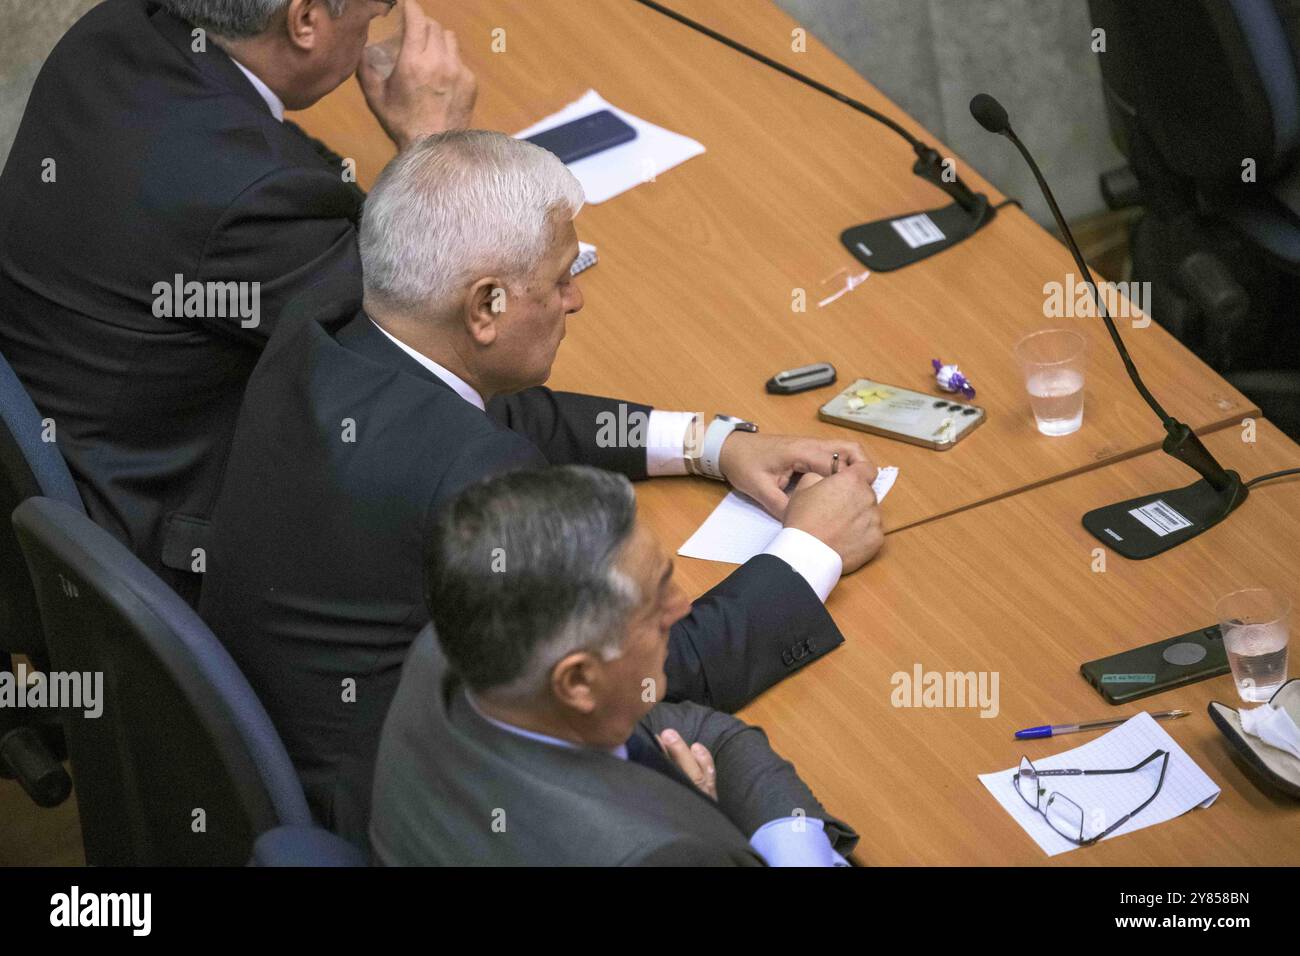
(357, 427)
(525, 730)
(157, 210)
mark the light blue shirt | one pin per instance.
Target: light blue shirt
(788, 841)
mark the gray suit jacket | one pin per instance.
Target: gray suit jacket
(453, 789)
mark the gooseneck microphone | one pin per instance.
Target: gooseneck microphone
(899, 241)
(990, 114)
(1141, 527)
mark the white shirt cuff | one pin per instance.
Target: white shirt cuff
(666, 443)
(816, 562)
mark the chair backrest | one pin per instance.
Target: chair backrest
(29, 466)
(1207, 82)
(183, 765)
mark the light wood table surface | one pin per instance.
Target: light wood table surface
(1010, 587)
(691, 304)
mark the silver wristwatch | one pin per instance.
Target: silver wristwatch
(706, 459)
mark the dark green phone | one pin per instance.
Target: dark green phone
(1157, 667)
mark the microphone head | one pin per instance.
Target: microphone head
(989, 113)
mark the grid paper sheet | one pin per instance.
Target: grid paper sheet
(1107, 798)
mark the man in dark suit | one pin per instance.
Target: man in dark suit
(156, 211)
(357, 428)
(523, 735)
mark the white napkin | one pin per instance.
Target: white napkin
(1272, 725)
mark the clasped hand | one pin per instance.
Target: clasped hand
(839, 510)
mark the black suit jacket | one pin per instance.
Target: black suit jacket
(345, 448)
(165, 162)
(453, 789)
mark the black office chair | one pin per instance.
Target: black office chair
(183, 765)
(1202, 95)
(31, 742)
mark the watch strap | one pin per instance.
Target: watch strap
(710, 462)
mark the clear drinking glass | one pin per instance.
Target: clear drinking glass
(1255, 623)
(1053, 364)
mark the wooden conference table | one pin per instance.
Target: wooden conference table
(691, 308)
(1010, 588)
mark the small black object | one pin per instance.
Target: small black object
(37, 770)
(585, 137)
(795, 380)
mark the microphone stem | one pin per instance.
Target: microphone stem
(928, 164)
(1169, 423)
(782, 68)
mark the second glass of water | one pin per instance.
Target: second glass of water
(1053, 363)
(1256, 631)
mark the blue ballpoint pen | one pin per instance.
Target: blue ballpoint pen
(1055, 730)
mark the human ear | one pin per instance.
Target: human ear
(573, 681)
(302, 22)
(485, 303)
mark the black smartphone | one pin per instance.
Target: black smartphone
(585, 137)
(1157, 667)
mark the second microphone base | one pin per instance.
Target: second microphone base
(889, 244)
(1152, 524)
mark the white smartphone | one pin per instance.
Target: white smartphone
(931, 421)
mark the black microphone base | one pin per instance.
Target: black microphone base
(1143, 527)
(883, 247)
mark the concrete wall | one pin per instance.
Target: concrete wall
(932, 56)
(28, 31)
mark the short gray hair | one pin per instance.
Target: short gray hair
(520, 572)
(235, 18)
(458, 206)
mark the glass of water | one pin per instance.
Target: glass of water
(1255, 623)
(1053, 363)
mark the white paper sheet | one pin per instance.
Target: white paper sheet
(738, 529)
(1107, 798)
(606, 175)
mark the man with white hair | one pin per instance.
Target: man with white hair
(156, 212)
(356, 428)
